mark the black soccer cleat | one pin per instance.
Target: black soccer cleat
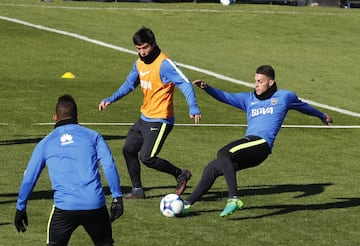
(136, 193)
(181, 181)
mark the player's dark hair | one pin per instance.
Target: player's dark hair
(144, 35)
(66, 107)
(266, 70)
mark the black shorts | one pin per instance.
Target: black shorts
(64, 222)
(147, 138)
(246, 152)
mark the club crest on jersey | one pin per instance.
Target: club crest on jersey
(66, 139)
(274, 101)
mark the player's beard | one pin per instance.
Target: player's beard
(152, 56)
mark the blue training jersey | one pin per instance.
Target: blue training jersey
(265, 117)
(71, 153)
(169, 73)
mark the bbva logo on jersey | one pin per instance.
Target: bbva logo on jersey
(66, 139)
(263, 111)
(146, 85)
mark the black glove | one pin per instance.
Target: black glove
(117, 208)
(21, 220)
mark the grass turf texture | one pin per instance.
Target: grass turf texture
(304, 194)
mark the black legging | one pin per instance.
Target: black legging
(147, 138)
(244, 153)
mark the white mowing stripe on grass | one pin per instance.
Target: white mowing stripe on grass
(207, 125)
(204, 71)
(201, 10)
(74, 35)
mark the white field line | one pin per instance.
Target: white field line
(190, 67)
(204, 125)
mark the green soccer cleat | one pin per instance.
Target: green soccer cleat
(232, 205)
(186, 209)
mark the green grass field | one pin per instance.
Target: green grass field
(305, 193)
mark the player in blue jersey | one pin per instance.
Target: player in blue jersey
(265, 108)
(156, 75)
(72, 154)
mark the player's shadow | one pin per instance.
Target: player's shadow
(303, 189)
(290, 208)
(45, 195)
(35, 195)
(36, 139)
(21, 141)
(299, 191)
(127, 189)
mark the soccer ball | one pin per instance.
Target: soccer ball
(171, 205)
(226, 2)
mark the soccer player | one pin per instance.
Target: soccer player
(71, 153)
(157, 75)
(265, 108)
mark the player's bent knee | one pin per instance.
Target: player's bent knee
(222, 154)
(149, 162)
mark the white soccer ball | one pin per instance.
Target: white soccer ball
(226, 2)
(171, 205)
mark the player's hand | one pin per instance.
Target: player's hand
(200, 83)
(117, 208)
(21, 220)
(328, 121)
(103, 105)
(196, 117)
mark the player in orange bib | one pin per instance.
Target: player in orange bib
(157, 75)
